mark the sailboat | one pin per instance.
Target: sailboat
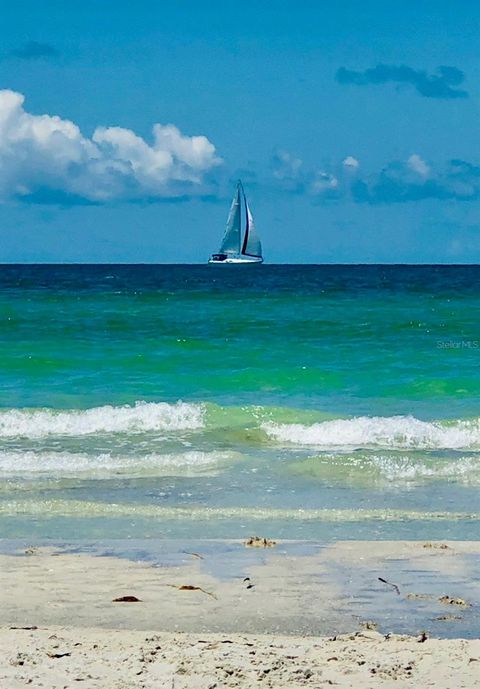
(233, 249)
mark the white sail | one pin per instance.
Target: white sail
(252, 246)
(231, 238)
(233, 249)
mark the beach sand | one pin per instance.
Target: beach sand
(217, 614)
(113, 659)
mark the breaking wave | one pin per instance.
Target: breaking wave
(395, 432)
(17, 462)
(141, 417)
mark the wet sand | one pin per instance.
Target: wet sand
(218, 614)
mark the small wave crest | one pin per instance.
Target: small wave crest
(394, 468)
(55, 463)
(137, 418)
(80, 508)
(394, 432)
(397, 470)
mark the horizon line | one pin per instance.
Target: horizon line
(205, 264)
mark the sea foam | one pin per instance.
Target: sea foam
(72, 463)
(141, 417)
(397, 469)
(395, 432)
(85, 508)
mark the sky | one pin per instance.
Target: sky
(353, 126)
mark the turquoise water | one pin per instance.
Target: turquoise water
(302, 401)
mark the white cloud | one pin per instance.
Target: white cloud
(45, 152)
(418, 165)
(351, 163)
(286, 166)
(324, 182)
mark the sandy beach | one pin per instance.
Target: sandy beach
(112, 659)
(223, 615)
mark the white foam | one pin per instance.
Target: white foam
(64, 463)
(81, 508)
(141, 417)
(399, 432)
(398, 470)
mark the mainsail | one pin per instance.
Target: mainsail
(231, 238)
(252, 246)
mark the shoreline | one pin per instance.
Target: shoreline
(296, 588)
(220, 615)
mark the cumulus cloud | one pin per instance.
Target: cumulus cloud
(286, 165)
(288, 169)
(324, 182)
(402, 181)
(47, 157)
(438, 85)
(350, 162)
(418, 165)
(399, 181)
(32, 50)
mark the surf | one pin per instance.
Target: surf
(98, 465)
(394, 432)
(137, 418)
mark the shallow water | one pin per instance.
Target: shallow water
(308, 401)
(298, 587)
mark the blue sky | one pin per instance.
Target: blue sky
(354, 128)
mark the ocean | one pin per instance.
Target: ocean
(187, 401)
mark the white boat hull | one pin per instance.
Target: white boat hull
(243, 259)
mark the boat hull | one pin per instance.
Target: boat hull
(237, 261)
